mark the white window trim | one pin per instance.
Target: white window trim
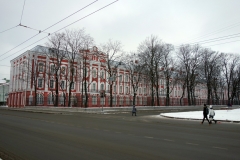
(73, 86)
(94, 70)
(39, 67)
(64, 85)
(42, 82)
(50, 84)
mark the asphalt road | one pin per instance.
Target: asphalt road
(38, 136)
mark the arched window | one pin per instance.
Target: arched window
(40, 67)
(120, 78)
(61, 99)
(73, 100)
(121, 100)
(52, 68)
(126, 78)
(121, 89)
(94, 73)
(40, 99)
(63, 70)
(102, 75)
(102, 87)
(114, 100)
(30, 102)
(50, 99)
(94, 100)
(94, 88)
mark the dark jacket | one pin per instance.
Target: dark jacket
(205, 110)
(134, 109)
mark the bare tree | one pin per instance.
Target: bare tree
(150, 52)
(230, 63)
(76, 40)
(136, 72)
(168, 66)
(210, 71)
(111, 52)
(56, 54)
(189, 58)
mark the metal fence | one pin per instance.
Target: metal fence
(97, 101)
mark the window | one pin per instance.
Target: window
(140, 90)
(40, 83)
(30, 100)
(140, 101)
(84, 99)
(102, 101)
(120, 78)
(51, 83)
(94, 87)
(40, 67)
(73, 71)
(62, 85)
(94, 99)
(134, 79)
(50, 99)
(85, 71)
(127, 101)
(126, 78)
(72, 87)
(39, 99)
(121, 101)
(114, 88)
(94, 73)
(102, 87)
(126, 90)
(120, 89)
(144, 90)
(52, 68)
(63, 70)
(145, 101)
(144, 80)
(61, 99)
(102, 75)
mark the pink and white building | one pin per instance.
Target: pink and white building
(23, 82)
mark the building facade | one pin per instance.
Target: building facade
(4, 88)
(34, 80)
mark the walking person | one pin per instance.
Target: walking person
(205, 113)
(211, 114)
(134, 110)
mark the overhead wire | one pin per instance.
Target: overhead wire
(62, 28)
(33, 29)
(47, 28)
(22, 11)
(215, 39)
(9, 29)
(16, 25)
(223, 43)
(215, 32)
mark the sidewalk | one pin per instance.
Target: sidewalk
(104, 109)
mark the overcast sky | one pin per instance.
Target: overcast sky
(128, 21)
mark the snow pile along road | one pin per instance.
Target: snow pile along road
(222, 115)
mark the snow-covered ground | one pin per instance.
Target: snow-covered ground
(222, 115)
